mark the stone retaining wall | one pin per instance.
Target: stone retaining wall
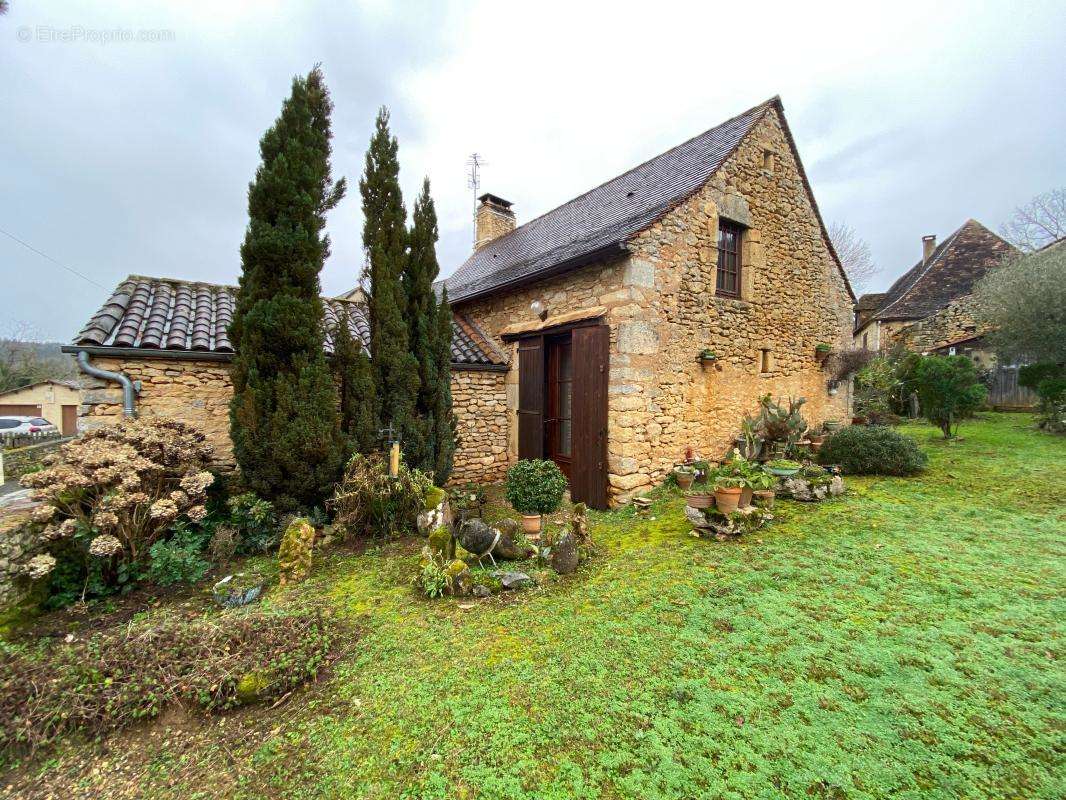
(20, 460)
(16, 541)
(198, 392)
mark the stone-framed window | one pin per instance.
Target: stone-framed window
(730, 248)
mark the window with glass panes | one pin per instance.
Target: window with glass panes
(728, 281)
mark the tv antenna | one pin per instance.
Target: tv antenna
(473, 181)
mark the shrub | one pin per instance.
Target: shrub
(369, 501)
(178, 559)
(222, 546)
(111, 494)
(1032, 375)
(256, 523)
(1052, 393)
(876, 387)
(872, 451)
(111, 680)
(535, 486)
(949, 390)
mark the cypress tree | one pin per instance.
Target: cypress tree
(421, 305)
(283, 415)
(443, 418)
(394, 368)
(355, 385)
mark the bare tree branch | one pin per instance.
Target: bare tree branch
(855, 256)
(1038, 223)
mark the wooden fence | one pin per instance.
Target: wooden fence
(1005, 394)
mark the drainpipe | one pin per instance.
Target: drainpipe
(129, 388)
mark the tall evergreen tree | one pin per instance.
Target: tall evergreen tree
(443, 417)
(355, 385)
(424, 325)
(283, 415)
(394, 368)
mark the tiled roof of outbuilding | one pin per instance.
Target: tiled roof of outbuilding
(598, 222)
(164, 314)
(958, 263)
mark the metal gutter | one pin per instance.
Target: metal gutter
(129, 388)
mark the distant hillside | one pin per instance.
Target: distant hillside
(23, 363)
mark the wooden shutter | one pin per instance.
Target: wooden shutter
(531, 397)
(591, 351)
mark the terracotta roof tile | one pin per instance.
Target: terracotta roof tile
(161, 313)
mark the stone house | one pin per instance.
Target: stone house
(604, 305)
(168, 339)
(579, 333)
(930, 307)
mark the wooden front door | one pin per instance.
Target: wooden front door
(562, 406)
(70, 420)
(558, 428)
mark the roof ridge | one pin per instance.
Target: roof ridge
(763, 106)
(937, 255)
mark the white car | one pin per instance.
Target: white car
(18, 426)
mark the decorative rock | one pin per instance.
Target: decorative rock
(442, 543)
(294, 553)
(481, 590)
(512, 580)
(564, 556)
(228, 592)
(460, 579)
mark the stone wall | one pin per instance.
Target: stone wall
(18, 542)
(479, 400)
(20, 460)
(662, 310)
(955, 321)
(198, 392)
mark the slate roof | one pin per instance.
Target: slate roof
(164, 314)
(597, 224)
(958, 263)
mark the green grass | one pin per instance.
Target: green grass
(905, 641)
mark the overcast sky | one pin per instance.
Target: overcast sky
(121, 157)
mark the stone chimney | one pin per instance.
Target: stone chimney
(494, 219)
(928, 246)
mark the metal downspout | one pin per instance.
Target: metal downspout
(129, 390)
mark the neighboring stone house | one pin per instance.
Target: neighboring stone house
(169, 336)
(605, 303)
(930, 307)
(56, 401)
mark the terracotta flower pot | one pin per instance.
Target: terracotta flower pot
(531, 523)
(745, 497)
(727, 499)
(700, 500)
(764, 498)
(684, 479)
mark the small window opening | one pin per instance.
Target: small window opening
(765, 360)
(768, 160)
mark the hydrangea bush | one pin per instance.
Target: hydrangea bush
(111, 494)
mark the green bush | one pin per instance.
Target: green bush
(1032, 375)
(369, 501)
(535, 486)
(949, 390)
(256, 523)
(178, 559)
(861, 450)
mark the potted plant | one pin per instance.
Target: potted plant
(727, 491)
(707, 356)
(699, 498)
(762, 485)
(684, 474)
(821, 351)
(831, 426)
(535, 487)
(783, 468)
